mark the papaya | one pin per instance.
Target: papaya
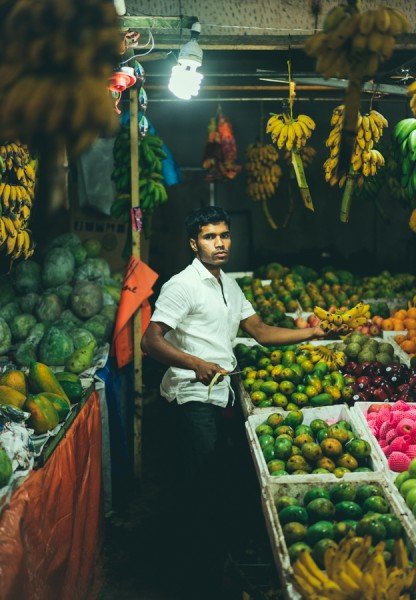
(9, 395)
(6, 468)
(43, 415)
(71, 384)
(16, 380)
(60, 405)
(41, 379)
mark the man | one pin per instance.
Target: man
(195, 322)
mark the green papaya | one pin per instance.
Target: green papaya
(82, 359)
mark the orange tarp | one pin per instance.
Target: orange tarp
(51, 532)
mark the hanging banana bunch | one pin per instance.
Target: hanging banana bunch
(289, 133)
(351, 46)
(16, 198)
(411, 91)
(366, 160)
(263, 175)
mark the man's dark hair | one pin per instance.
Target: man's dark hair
(204, 216)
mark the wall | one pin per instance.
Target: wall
(365, 244)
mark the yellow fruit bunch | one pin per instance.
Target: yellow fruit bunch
(411, 91)
(263, 171)
(342, 321)
(17, 189)
(356, 570)
(365, 159)
(290, 133)
(307, 154)
(353, 44)
(333, 358)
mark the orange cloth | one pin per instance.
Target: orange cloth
(51, 532)
(137, 288)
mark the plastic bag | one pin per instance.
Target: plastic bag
(95, 186)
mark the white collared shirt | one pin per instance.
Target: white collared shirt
(204, 323)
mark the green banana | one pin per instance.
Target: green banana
(403, 129)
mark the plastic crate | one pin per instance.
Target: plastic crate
(328, 413)
(280, 552)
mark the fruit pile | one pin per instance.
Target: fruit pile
(292, 448)
(16, 198)
(360, 348)
(152, 190)
(355, 569)
(326, 515)
(365, 159)
(288, 132)
(372, 382)
(406, 484)
(289, 378)
(394, 427)
(47, 397)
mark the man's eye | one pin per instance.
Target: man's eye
(225, 235)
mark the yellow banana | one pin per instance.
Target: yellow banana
(10, 228)
(282, 136)
(308, 121)
(6, 196)
(10, 243)
(3, 232)
(382, 19)
(366, 22)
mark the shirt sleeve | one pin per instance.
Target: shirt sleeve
(173, 304)
(247, 309)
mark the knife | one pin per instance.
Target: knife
(225, 375)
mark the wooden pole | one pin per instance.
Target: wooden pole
(135, 201)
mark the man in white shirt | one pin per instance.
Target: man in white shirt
(192, 330)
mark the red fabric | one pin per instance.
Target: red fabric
(51, 532)
(137, 288)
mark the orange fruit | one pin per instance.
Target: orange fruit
(410, 323)
(400, 338)
(408, 346)
(400, 314)
(411, 313)
(387, 325)
(398, 325)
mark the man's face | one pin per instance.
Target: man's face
(213, 244)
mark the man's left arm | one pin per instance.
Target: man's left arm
(275, 336)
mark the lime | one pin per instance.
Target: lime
(318, 552)
(265, 404)
(275, 465)
(401, 478)
(296, 549)
(319, 531)
(341, 492)
(294, 532)
(282, 448)
(248, 383)
(363, 470)
(377, 504)
(348, 510)
(300, 472)
(294, 418)
(392, 525)
(365, 491)
(318, 424)
(315, 492)
(407, 486)
(320, 368)
(293, 514)
(264, 430)
(284, 501)
(412, 468)
(411, 498)
(320, 508)
(373, 527)
(263, 362)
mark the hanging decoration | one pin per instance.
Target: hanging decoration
(220, 150)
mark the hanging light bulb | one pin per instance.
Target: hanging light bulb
(185, 80)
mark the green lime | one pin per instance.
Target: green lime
(373, 527)
(342, 491)
(296, 549)
(265, 404)
(320, 508)
(294, 532)
(377, 504)
(284, 501)
(393, 526)
(315, 492)
(363, 470)
(320, 471)
(292, 406)
(348, 510)
(365, 491)
(401, 478)
(293, 513)
(319, 531)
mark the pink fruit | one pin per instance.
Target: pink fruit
(411, 414)
(384, 429)
(405, 426)
(371, 416)
(401, 405)
(399, 444)
(383, 443)
(398, 462)
(391, 434)
(382, 417)
(411, 451)
(396, 417)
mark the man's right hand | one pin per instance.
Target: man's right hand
(205, 371)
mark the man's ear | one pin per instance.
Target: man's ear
(193, 245)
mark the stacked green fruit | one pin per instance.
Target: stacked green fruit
(326, 515)
(404, 135)
(152, 192)
(406, 483)
(290, 447)
(287, 377)
(361, 348)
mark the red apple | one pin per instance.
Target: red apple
(380, 395)
(377, 407)
(374, 330)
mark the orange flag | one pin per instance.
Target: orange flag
(137, 288)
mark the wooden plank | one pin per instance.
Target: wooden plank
(135, 201)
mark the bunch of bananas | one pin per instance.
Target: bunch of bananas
(353, 44)
(152, 191)
(263, 172)
(393, 175)
(365, 159)
(333, 358)
(411, 91)
(56, 89)
(307, 154)
(343, 320)
(354, 570)
(289, 133)
(16, 198)
(404, 136)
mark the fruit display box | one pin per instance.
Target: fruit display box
(404, 357)
(272, 491)
(330, 414)
(359, 410)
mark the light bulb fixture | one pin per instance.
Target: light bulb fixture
(185, 81)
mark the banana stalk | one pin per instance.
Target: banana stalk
(347, 196)
(267, 214)
(301, 179)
